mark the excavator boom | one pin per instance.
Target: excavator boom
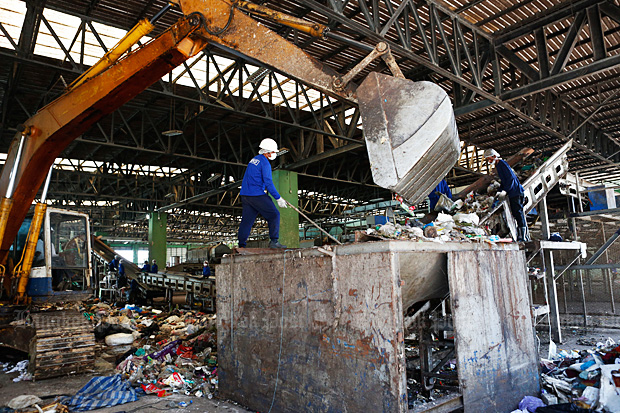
(56, 125)
(409, 127)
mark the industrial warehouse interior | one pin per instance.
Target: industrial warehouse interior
(310, 206)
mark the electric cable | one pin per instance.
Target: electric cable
(273, 398)
(217, 32)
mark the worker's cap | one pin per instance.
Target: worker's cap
(206, 262)
(268, 145)
(154, 261)
(490, 153)
(122, 260)
(116, 257)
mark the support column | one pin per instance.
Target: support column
(286, 184)
(157, 238)
(575, 237)
(552, 292)
(607, 275)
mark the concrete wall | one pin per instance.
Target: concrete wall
(497, 360)
(339, 351)
(315, 331)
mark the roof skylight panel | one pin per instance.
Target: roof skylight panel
(12, 14)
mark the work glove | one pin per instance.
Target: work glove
(281, 202)
(501, 195)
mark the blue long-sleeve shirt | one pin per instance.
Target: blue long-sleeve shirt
(154, 268)
(113, 265)
(206, 271)
(443, 188)
(257, 178)
(509, 181)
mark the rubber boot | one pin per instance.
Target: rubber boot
(526, 234)
(274, 243)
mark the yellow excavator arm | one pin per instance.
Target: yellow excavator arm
(388, 104)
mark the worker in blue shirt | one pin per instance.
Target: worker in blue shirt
(512, 188)
(134, 290)
(206, 271)
(154, 267)
(122, 277)
(255, 201)
(145, 267)
(113, 265)
(441, 188)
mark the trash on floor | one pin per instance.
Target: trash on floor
(587, 380)
(160, 353)
(24, 401)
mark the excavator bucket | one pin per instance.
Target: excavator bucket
(410, 134)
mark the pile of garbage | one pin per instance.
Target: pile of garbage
(141, 351)
(586, 380)
(456, 221)
(160, 353)
(460, 227)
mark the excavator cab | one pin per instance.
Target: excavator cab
(61, 267)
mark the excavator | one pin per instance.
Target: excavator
(409, 129)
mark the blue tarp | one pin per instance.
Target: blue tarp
(101, 392)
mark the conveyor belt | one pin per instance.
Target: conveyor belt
(163, 280)
(180, 282)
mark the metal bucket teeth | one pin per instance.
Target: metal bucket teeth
(410, 134)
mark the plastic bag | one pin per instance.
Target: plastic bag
(119, 339)
(24, 401)
(471, 218)
(444, 204)
(563, 407)
(530, 403)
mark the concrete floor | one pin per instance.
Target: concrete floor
(47, 389)
(576, 337)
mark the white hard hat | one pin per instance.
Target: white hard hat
(488, 153)
(268, 145)
(206, 262)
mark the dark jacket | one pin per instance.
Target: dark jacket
(509, 181)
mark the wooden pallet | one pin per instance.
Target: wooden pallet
(64, 344)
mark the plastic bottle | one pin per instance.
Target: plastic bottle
(165, 351)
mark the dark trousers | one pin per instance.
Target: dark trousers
(252, 206)
(516, 207)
